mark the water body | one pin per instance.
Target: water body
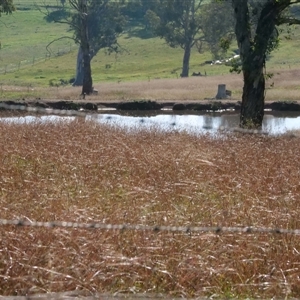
(274, 124)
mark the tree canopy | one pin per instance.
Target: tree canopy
(104, 24)
(178, 22)
(6, 6)
(217, 26)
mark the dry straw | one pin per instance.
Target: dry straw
(84, 172)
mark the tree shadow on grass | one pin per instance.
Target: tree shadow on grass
(138, 28)
(139, 32)
(57, 15)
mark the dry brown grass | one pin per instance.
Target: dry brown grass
(193, 88)
(283, 86)
(86, 172)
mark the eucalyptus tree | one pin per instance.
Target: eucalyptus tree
(96, 24)
(6, 6)
(103, 24)
(137, 9)
(178, 22)
(257, 34)
(217, 25)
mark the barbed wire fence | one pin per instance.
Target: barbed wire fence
(156, 228)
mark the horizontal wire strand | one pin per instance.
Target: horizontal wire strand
(157, 228)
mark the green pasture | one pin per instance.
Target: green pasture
(24, 59)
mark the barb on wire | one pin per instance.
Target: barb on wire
(182, 229)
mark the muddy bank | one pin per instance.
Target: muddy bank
(201, 105)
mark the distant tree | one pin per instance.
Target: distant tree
(136, 10)
(6, 6)
(96, 25)
(179, 23)
(104, 24)
(63, 2)
(217, 25)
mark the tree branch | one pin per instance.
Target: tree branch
(289, 21)
(55, 40)
(65, 21)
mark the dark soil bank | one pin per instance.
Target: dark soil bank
(205, 105)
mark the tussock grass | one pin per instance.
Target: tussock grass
(82, 171)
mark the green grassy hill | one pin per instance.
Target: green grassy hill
(24, 59)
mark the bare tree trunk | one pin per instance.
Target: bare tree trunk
(87, 87)
(253, 100)
(253, 56)
(79, 69)
(186, 61)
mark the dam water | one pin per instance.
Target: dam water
(274, 124)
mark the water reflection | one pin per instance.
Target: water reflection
(32, 119)
(193, 123)
(198, 123)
